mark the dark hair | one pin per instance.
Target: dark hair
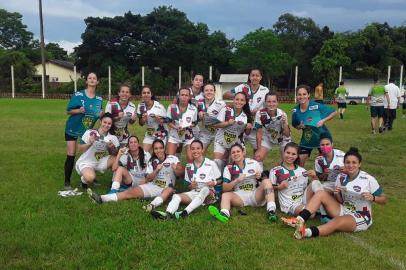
(197, 141)
(391, 80)
(304, 86)
(153, 156)
(271, 93)
(184, 88)
(109, 115)
(198, 74)
(237, 145)
(246, 108)
(353, 151)
(251, 70)
(376, 80)
(327, 136)
(141, 153)
(341, 83)
(293, 145)
(150, 89)
(90, 72)
(209, 83)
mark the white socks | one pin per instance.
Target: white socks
(308, 233)
(198, 200)
(225, 212)
(115, 185)
(270, 206)
(157, 201)
(109, 197)
(173, 204)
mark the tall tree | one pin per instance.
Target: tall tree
(13, 33)
(56, 52)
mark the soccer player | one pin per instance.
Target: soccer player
(291, 181)
(256, 98)
(375, 100)
(130, 165)
(201, 176)
(341, 94)
(99, 148)
(394, 100)
(153, 114)
(182, 117)
(329, 163)
(84, 108)
(208, 109)
(161, 172)
(234, 120)
(351, 206)
(243, 186)
(196, 89)
(272, 128)
(310, 117)
(123, 111)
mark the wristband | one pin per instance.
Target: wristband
(373, 198)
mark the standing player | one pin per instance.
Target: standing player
(234, 122)
(153, 114)
(196, 89)
(351, 206)
(99, 148)
(329, 163)
(404, 102)
(256, 96)
(376, 96)
(130, 165)
(84, 109)
(291, 181)
(208, 109)
(201, 175)
(310, 117)
(160, 180)
(243, 186)
(341, 94)
(394, 100)
(272, 128)
(123, 111)
(182, 117)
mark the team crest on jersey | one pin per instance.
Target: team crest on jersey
(214, 112)
(202, 176)
(307, 134)
(166, 164)
(259, 99)
(240, 123)
(87, 121)
(309, 119)
(357, 188)
(251, 171)
(188, 119)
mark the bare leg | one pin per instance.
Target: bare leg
(88, 174)
(171, 148)
(229, 199)
(330, 204)
(302, 159)
(133, 193)
(341, 224)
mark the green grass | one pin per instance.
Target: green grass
(39, 229)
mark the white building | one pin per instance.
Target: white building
(57, 71)
(228, 82)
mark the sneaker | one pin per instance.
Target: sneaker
(381, 129)
(94, 196)
(290, 221)
(159, 215)
(272, 216)
(112, 191)
(180, 214)
(373, 131)
(67, 186)
(148, 208)
(300, 229)
(83, 185)
(217, 214)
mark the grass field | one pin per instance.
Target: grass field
(39, 229)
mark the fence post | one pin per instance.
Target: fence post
(143, 75)
(296, 73)
(75, 85)
(340, 75)
(211, 73)
(109, 82)
(401, 77)
(12, 82)
(180, 77)
(389, 71)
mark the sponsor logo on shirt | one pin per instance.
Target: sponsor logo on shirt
(251, 171)
(202, 176)
(313, 107)
(166, 164)
(309, 119)
(188, 119)
(258, 99)
(357, 188)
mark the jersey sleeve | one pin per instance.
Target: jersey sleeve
(317, 166)
(272, 177)
(258, 167)
(222, 114)
(74, 103)
(325, 110)
(149, 169)
(295, 119)
(226, 175)
(138, 110)
(258, 123)
(85, 138)
(162, 111)
(215, 172)
(115, 141)
(374, 187)
(168, 112)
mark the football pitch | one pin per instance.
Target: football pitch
(41, 230)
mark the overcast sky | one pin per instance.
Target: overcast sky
(64, 19)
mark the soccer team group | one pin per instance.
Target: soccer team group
(337, 190)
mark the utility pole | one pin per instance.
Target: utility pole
(42, 44)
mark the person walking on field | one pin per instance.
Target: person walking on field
(318, 93)
(376, 96)
(340, 94)
(391, 106)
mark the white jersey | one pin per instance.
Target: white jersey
(297, 183)
(154, 129)
(272, 127)
(98, 149)
(257, 99)
(166, 176)
(184, 120)
(207, 172)
(233, 171)
(195, 99)
(232, 134)
(352, 199)
(121, 125)
(394, 96)
(212, 111)
(137, 170)
(321, 164)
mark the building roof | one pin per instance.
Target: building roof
(233, 78)
(62, 63)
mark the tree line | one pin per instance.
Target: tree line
(165, 39)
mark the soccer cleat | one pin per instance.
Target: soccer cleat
(159, 215)
(94, 196)
(180, 214)
(217, 214)
(112, 191)
(272, 216)
(290, 221)
(67, 186)
(148, 208)
(381, 129)
(300, 229)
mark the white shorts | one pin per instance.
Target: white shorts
(135, 180)
(362, 224)
(174, 138)
(219, 148)
(328, 185)
(248, 198)
(290, 208)
(269, 145)
(150, 139)
(251, 138)
(151, 190)
(99, 166)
